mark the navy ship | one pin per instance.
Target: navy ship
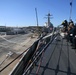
(50, 54)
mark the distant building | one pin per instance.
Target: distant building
(2, 28)
(15, 30)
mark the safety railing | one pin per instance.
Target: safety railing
(23, 66)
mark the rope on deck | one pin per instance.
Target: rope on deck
(39, 64)
(42, 59)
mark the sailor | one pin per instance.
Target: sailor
(71, 21)
(70, 32)
(74, 38)
(72, 35)
(67, 35)
(65, 25)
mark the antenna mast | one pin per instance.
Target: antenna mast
(49, 16)
(36, 16)
(70, 9)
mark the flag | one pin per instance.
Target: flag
(70, 3)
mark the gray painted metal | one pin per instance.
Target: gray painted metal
(19, 69)
(59, 59)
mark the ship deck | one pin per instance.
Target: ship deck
(59, 59)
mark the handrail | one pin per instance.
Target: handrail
(52, 38)
(17, 57)
(38, 55)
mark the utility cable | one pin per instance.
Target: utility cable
(14, 59)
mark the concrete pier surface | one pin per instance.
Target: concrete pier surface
(11, 46)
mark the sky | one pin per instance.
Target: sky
(22, 12)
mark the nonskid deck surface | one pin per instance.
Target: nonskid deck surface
(58, 59)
